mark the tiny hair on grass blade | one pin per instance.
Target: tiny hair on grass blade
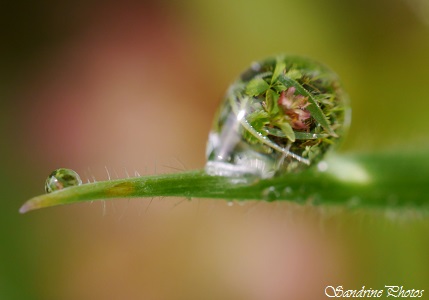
(383, 180)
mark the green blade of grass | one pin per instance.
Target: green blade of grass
(372, 180)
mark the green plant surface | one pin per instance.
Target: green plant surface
(362, 180)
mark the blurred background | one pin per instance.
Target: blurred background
(133, 86)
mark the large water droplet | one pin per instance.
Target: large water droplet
(60, 179)
(281, 115)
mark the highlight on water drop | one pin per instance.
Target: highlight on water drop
(60, 179)
(280, 116)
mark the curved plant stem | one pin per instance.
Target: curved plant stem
(377, 180)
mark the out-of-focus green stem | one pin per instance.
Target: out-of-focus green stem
(371, 180)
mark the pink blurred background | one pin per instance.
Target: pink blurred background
(133, 86)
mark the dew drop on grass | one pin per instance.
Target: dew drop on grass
(280, 116)
(60, 179)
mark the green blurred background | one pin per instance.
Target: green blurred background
(133, 86)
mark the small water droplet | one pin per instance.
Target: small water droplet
(60, 179)
(270, 194)
(271, 119)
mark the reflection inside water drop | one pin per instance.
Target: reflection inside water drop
(60, 179)
(282, 115)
